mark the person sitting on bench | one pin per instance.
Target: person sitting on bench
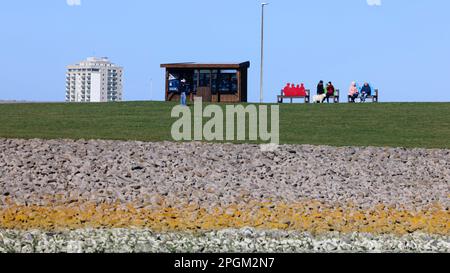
(330, 91)
(353, 92)
(302, 90)
(366, 91)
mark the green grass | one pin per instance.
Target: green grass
(386, 124)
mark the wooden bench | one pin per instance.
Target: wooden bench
(306, 97)
(373, 97)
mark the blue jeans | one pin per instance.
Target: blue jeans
(363, 97)
(183, 98)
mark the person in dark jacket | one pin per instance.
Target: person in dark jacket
(320, 88)
(330, 91)
(365, 92)
(183, 89)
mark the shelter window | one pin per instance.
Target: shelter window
(227, 81)
(205, 78)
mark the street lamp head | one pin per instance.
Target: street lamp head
(264, 4)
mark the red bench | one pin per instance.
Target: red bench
(291, 91)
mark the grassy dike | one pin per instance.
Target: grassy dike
(410, 125)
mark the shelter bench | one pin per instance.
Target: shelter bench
(281, 98)
(292, 92)
(373, 97)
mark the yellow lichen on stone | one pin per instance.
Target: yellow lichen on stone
(311, 216)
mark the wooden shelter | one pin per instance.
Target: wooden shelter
(222, 82)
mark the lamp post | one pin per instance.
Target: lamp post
(262, 53)
(151, 88)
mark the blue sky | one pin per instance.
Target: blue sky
(401, 46)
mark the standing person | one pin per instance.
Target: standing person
(330, 91)
(353, 92)
(183, 89)
(320, 93)
(366, 91)
(320, 88)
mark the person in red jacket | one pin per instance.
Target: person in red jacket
(302, 90)
(330, 91)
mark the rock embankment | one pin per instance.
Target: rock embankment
(114, 196)
(220, 175)
(244, 240)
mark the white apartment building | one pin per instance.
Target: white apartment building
(94, 80)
